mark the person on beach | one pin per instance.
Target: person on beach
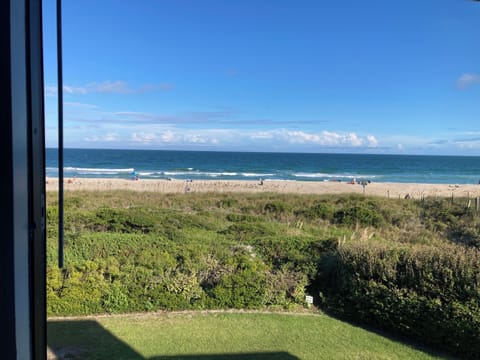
(134, 175)
(364, 183)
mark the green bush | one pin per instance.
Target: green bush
(241, 218)
(244, 288)
(116, 220)
(76, 291)
(428, 293)
(226, 202)
(321, 210)
(366, 214)
(115, 299)
(275, 207)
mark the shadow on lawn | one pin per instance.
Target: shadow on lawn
(408, 341)
(80, 339)
(244, 356)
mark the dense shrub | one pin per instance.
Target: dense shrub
(115, 220)
(289, 252)
(428, 293)
(241, 218)
(276, 208)
(245, 231)
(320, 210)
(76, 291)
(244, 287)
(366, 214)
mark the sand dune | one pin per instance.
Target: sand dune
(392, 190)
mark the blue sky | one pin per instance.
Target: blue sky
(268, 75)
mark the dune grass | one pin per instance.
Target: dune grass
(194, 335)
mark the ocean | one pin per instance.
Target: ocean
(195, 165)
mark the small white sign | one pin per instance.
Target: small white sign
(309, 299)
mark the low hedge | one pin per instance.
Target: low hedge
(426, 293)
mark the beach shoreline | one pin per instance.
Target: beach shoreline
(387, 189)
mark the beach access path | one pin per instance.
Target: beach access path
(389, 190)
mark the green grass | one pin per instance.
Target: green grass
(227, 336)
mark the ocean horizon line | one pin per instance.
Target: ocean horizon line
(270, 152)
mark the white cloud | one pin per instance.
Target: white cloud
(301, 137)
(143, 137)
(473, 143)
(111, 87)
(470, 133)
(325, 138)
(467, 80)
(80, 105)
(50, 91)
(174, 137)
(196, 139)
(400, 147)
(141, 129)
(155, 135)
(108, 87)
(354, 140)
(109, 137)
(372, 141)
(168, 136)
(74, 90)
(262, 135)
(331, 138)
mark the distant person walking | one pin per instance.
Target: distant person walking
(134, 175)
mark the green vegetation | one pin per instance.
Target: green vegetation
(222, 336)
(410, 267)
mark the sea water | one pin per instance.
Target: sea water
(196, 165)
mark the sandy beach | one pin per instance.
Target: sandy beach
(392, 190)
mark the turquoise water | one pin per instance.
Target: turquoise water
(160, 164)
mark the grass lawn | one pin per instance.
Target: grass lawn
(230, 336)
